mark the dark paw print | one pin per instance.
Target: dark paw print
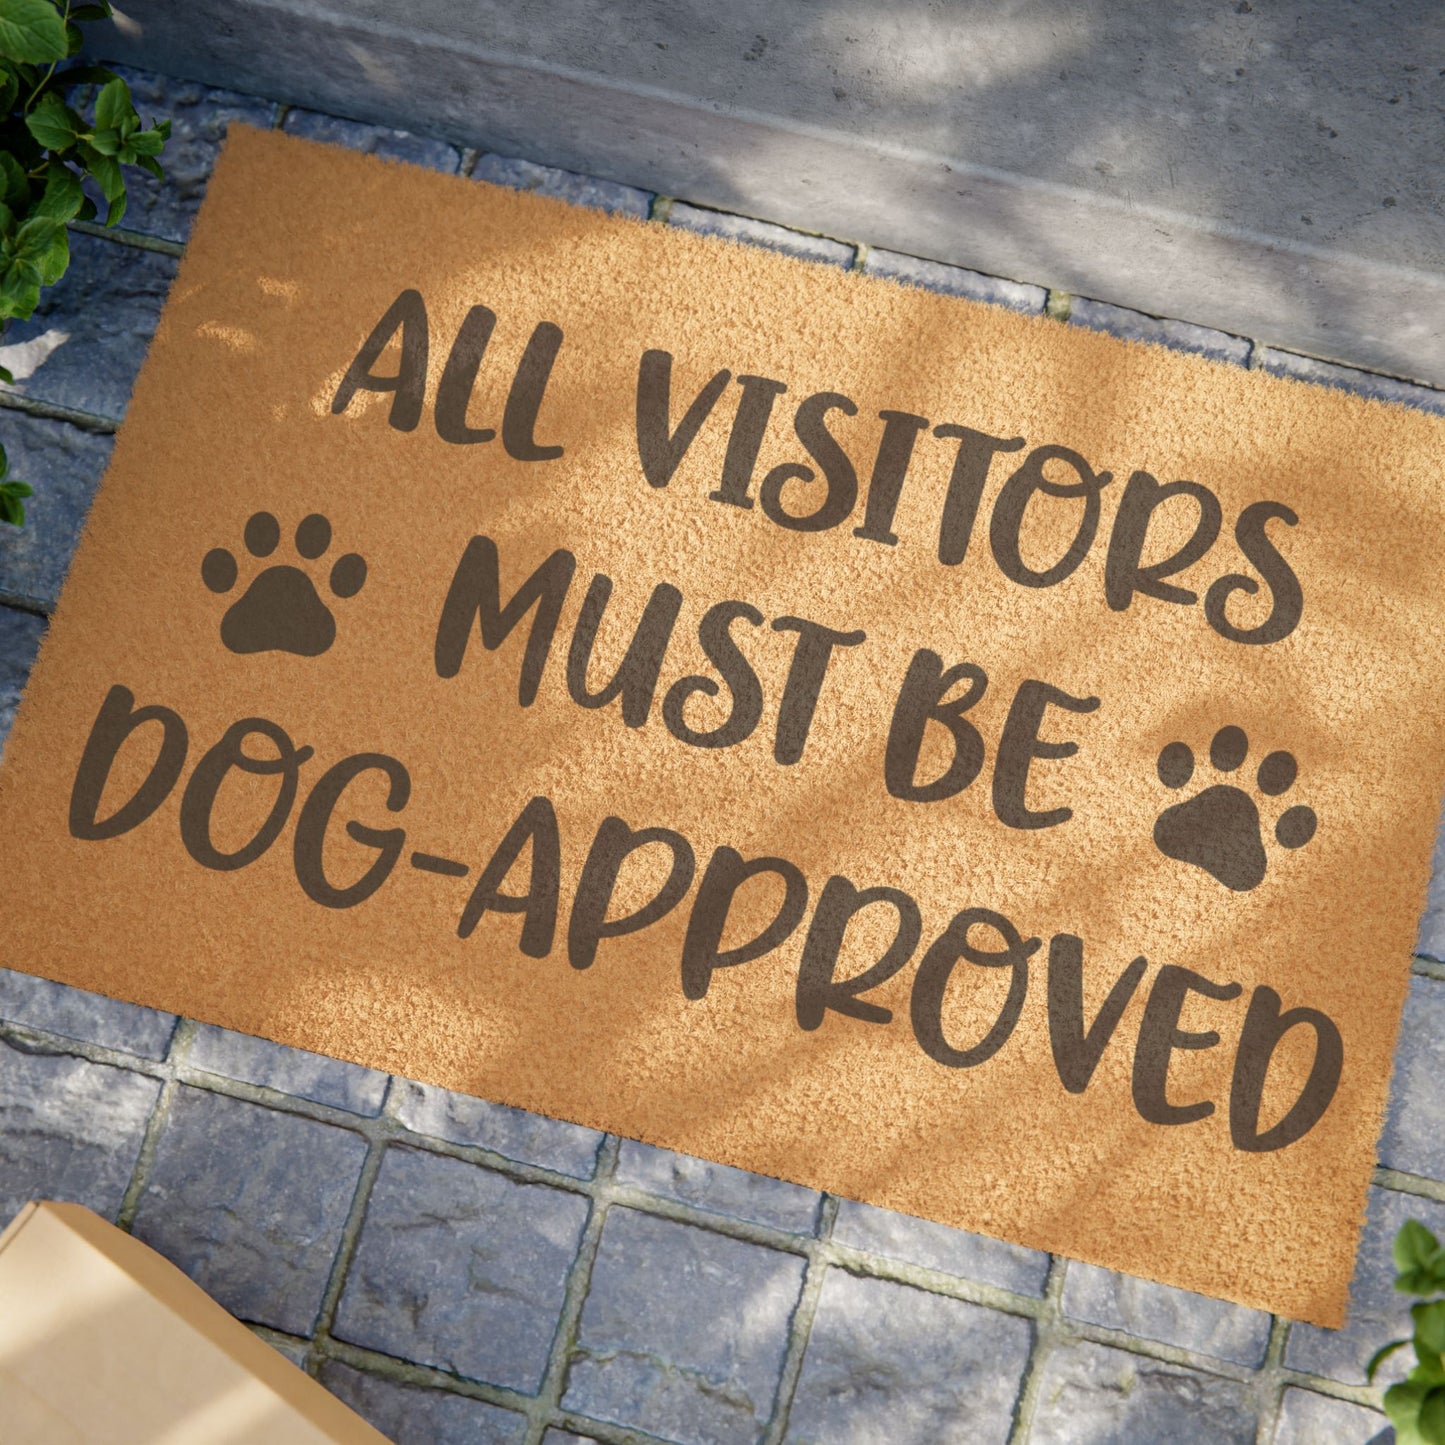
(1219, 828)
(281, 611)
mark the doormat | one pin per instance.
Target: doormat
(940, 756)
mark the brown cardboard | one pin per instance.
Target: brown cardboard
(1306, 635)
(104, 1342)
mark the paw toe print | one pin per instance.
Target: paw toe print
(281, 610)
(1219, 829)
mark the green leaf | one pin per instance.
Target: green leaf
(63, 196)
(8, 379)
(1430, 1326)
(151, 164)
(16, 488)
(87, 210)
(91, 12)
(1432, 1417)
(1380, 1356)
(113, 105)
(1402, 1405)
(9, 90)
(14, 186)
(12, 509)
(116, 210)
(7, 222)
(35, 237)
(52, 122)
(56, 259)
(106, 172)
(19, 290)
(107, 142)
(1414, 1245)
(31, 30)
(147, 142)
(74, 39)
(4, 460)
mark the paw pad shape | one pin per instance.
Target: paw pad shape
(1218, 828)
(281, 610)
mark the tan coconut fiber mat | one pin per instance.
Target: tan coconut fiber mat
(935, 755)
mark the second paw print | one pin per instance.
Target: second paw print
(1219, 828)
(281, 610)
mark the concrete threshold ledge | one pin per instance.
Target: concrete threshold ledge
(1268, 236)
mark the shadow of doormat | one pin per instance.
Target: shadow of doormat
(940, 756)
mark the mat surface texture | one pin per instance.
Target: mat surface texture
(968, 764)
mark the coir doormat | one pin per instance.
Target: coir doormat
(940, 756)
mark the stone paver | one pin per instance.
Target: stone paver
(90, 1017)
(250, 1203)
(1378, 1313)
(1414, 1135)
(1346, 378)
(1171, 1316)
(1306, 1418)
(718, 1187)
(461, 1269)
(87, 339)
(69, 1130)
(376, 140)
(953, 280)
(289, 1071)
(199, 117)
(64, 464)
(936, 1246)
(1179, 335)
(522, 175)
(513, 1133)
(20, 634)
(1093, 1395)
(886, 1362)
(1431, 941)
(761, 233)
(413, 1415)
(684, 1331)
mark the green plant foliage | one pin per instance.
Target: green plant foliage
(12, 494)
(46, 150)
(1416, 1406)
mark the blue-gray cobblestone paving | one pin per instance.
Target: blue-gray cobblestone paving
(887, 1362)
(94, 324)
(415, 1415)
(527, 1138)
(459, 1271)
(290, 1071)
(250, 1202)
(684, 1332)
(461, 1268)
(63, 463)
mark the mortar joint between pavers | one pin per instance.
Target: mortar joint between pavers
(1423, 966)
(800, 1325)
(660, 209)
(547, 1405)
(1403, 1183)
(180, 1045)
(407, 1372)
(350, 1234)
(124, 236)
(861, 251)
(283, 109)
(1046, 1324)
(48, 411)
(18, 602)
(1269, 1382)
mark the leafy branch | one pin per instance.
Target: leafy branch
(1416, 1406)
(47, 150)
